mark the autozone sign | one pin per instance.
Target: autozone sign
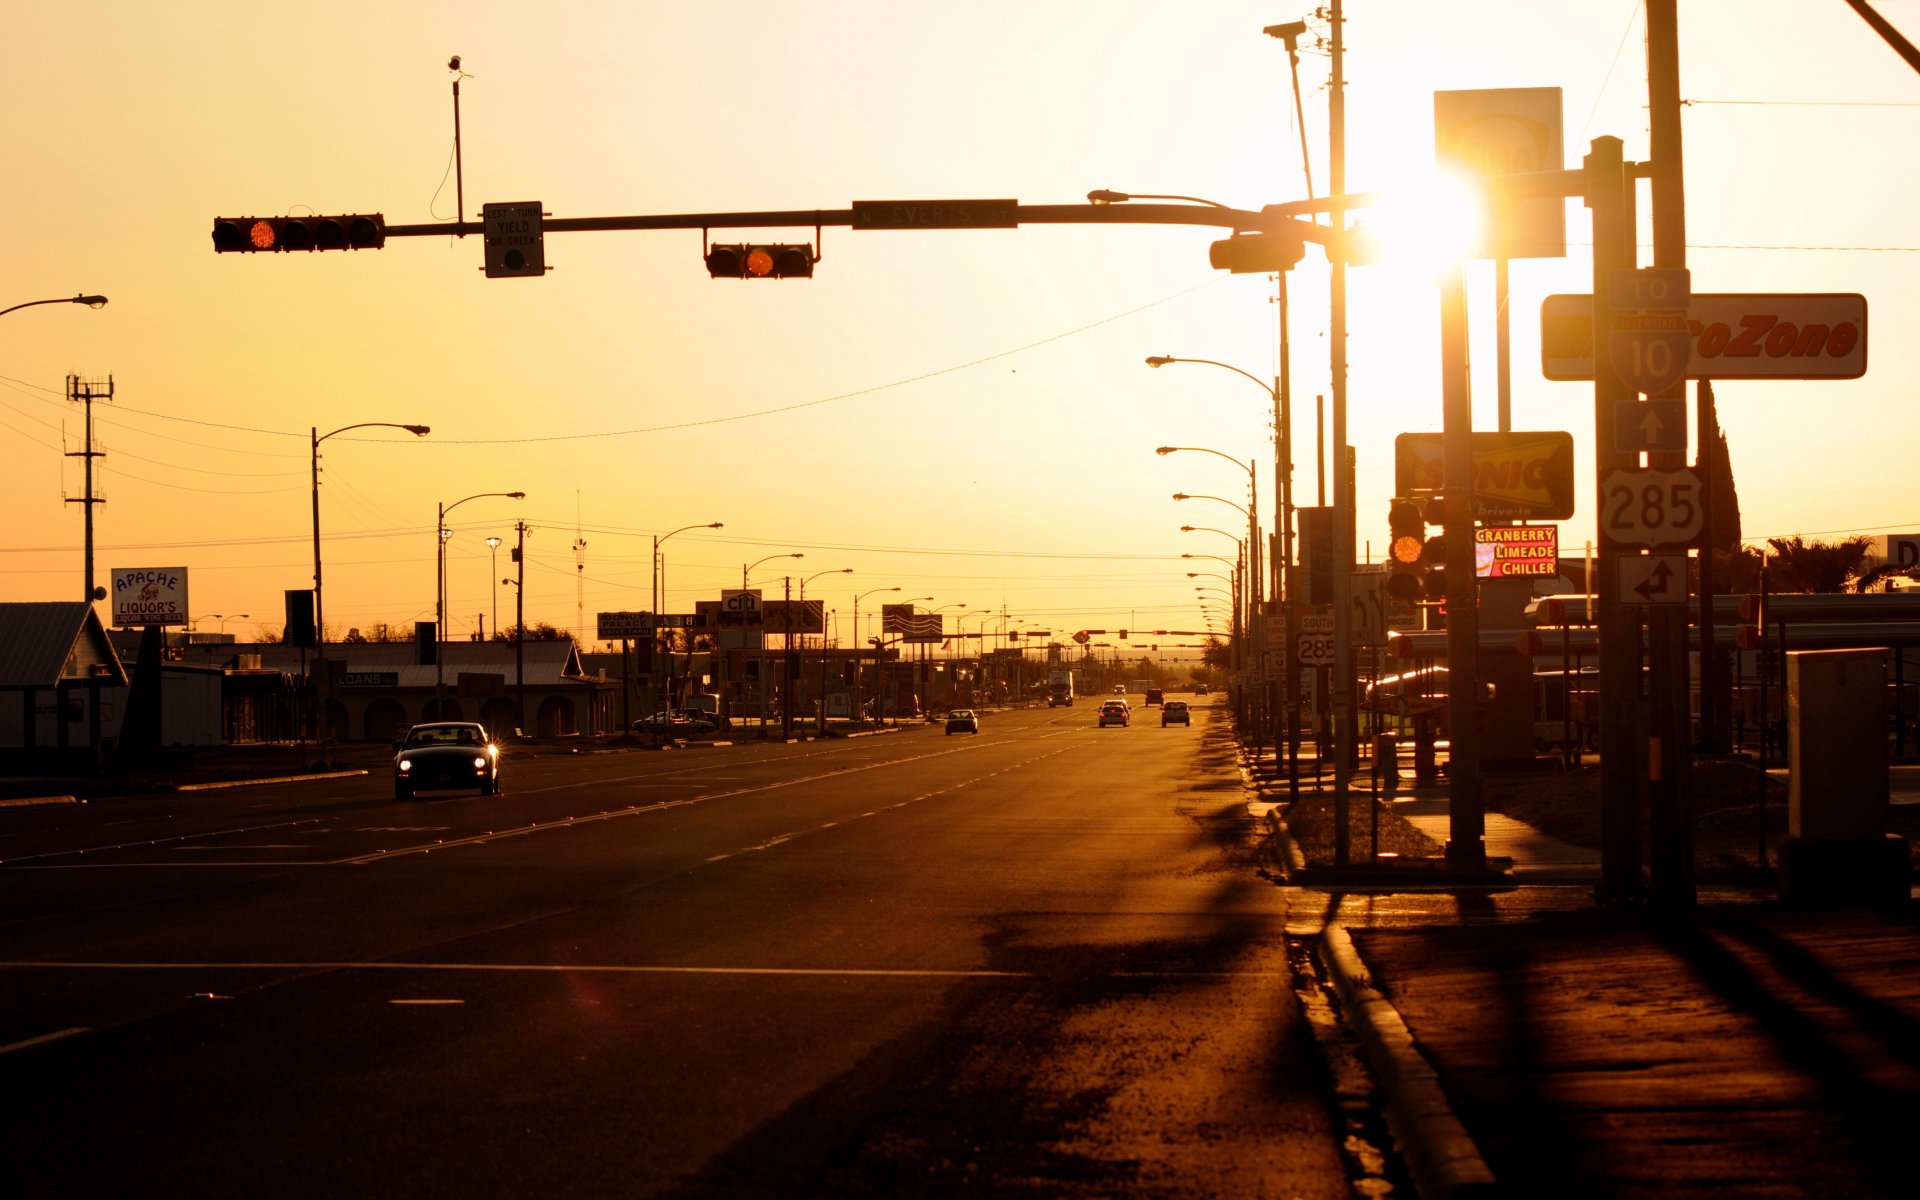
(1811, 335)
(1515, 475)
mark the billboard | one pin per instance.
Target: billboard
(794, 616)
(1731, 335)
(1491, 132)
(1513, 551)
(149, 596)
(1516, 476)
(910, 625)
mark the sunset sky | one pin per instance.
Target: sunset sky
(961, 415)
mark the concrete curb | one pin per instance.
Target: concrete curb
(234, 783)
(1440, 1154)
(36, 801)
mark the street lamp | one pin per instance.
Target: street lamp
(1279, 393)
(89, 301)
(756, 562)
(319, 606)
(858, 644)
(231, 617)
(659, 575)
(493, 546)
(440, 592)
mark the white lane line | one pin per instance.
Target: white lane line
(602, 969)
(424, 1003)
(44, 1038)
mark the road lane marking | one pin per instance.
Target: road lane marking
(426, 1002)
(610, 969)
(44, 1038)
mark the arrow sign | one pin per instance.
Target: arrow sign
(1656, 426)
(1652, 579)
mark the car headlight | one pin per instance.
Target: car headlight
(406, 764)
(479, 760)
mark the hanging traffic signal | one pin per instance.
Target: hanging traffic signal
(1406, 546)
(247, 235)
(1256, 253)
(1433, 558)
(741, 261)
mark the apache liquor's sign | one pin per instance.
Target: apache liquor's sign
(149, 596)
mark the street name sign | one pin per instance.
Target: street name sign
(1652, 579)
(936, 214)
(1808, 335)
(1650, 508)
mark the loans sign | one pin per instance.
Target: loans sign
(1516, 476)
(1515, 551)
(1812, 335)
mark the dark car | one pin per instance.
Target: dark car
(445, 754)
(1115, 712)
(1202, 690)
(1175, 712)
(1155, 696)
(677, 724)
(963, 720)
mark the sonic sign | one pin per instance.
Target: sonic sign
(149, 596)
(1516, 476)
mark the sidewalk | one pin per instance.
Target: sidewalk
(1733, 1051)
(1532, 1045)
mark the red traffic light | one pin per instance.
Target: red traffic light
(246, 235)
(743, 261)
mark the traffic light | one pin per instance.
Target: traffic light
(1406, 549)
(1256, 253)
(1433, 557)
(1123, 635)
(740, 261)
(246, 235)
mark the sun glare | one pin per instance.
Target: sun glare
(1425, 224)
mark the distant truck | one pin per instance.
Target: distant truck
(1059, 689)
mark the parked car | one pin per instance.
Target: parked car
(677, 724)
(445, 754)
(1114, 712)
(963, 720)
(1175, 712)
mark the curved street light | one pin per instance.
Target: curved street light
(319, 594)
(1222, 499)
(769, 558)
(440, 592)
(89, 301)
(658, 574)
(1279, 396)
(231, 617)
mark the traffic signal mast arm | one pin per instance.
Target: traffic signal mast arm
(916, 214)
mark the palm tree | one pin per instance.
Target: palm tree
(1823, 567)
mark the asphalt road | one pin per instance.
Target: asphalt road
(1039, 961)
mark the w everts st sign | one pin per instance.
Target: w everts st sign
(1815, 335)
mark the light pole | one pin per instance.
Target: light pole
(756, 562)
(1280, 394)
(857, 644)
(804, 580)
(441, 534)
(493, 545)
(1239, 569)
(89, 301)
(231, 617)
(1250, 708)
(319, 606)
(1254, 597)
(659, 574)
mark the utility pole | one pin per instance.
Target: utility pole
(85, 392)
(520, 627)
(1672, 808)
(1345, 727)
